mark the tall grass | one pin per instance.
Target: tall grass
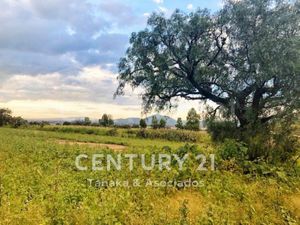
(164, 134)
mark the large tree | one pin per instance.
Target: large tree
(245, 58)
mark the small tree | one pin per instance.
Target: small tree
(106, 120)
(143, 123)
(154, 122)
(110, 121)
(44, 123)
(192, 120)
(179, 124)
(162, 123)
(87, 121)
(5, 116)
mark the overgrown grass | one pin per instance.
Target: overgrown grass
(39, 184)
(165, 134)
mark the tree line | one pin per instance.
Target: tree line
(6, 118)
(192, 121)
(105, 121)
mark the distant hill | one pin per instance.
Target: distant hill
(135, 120)
(127, 121)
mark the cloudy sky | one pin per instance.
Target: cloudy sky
(58, 57)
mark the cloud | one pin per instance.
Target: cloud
(92, 84)
(162, 9)
(121, 14)
(146, 14)
(70, 30)
(23, 62)
(158, 1)
(190, 6)
(47, 109)
(41, 37)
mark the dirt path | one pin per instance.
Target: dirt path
(115, 147)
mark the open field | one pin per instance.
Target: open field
(39, 184)
(153, 112)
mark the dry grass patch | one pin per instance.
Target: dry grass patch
(293, 202)
(92, 144)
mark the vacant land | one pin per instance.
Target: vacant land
(39, 183)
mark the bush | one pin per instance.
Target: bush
(171, 135)
(273, 143)
(232, 149)
(112, 132)
(123, 126)
(235, 158)
(18, 122)
(220, 130)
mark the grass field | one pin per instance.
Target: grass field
(39, 184)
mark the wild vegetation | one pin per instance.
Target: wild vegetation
(245, 59)
(39, 184)
(166, 134)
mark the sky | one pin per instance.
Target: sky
(58, 58)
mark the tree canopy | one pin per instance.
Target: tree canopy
(143, 123)
(192, 120)
(106, 120)
(162, 123)
(5, 116)
(179, 123)
(154, 122)
(245, 58)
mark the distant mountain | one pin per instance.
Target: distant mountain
(128, 121)
(135, 120)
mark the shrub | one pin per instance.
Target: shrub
(273, 143)
(232, 149)
(171, 135)
(90, 131)
(123, 126)
(135, 126)
(18, 122)
(112, 132)
(141, 133)
(220, 130)
(285, 143)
